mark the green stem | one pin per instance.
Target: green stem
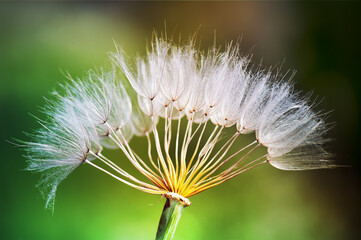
(171, 214)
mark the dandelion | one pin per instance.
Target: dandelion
(181, 101)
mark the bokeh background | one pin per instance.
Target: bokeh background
(39, 40)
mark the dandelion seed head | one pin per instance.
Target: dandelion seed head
(152, 96)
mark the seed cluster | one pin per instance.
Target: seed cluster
(177, 97)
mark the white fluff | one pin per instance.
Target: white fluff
(101, 97)
(146, 80)
(287, 122)
(218, 66)
(303, 158)
(221, 87)
(254, 103)
(59, 147)
(141, 123)
(196, 94)
(124, 134)
(179, 69)
(173, 82)
(236, 78)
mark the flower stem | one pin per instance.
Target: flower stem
(169, 219)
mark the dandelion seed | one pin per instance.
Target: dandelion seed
(180, 100)
(63, 144)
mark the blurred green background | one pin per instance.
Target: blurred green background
(319, 40)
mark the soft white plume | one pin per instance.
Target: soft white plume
(106, 109)
(60, 146)
(306, 157)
